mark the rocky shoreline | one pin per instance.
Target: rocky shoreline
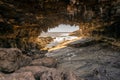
(83, 59)
(89, 59)
(14, 65)
(21, 22)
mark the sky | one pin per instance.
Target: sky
(64, 28)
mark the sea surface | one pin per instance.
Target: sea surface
(58, 37)
(60, 34)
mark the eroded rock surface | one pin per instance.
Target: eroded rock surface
(44, 73)
(22, 20)
(47, 61)
(18, 76)
(12, 59)
(14, 65)
(98, 61)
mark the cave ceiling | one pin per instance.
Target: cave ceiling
(17, 16)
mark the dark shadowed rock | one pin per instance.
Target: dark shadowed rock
(47, 61)
(35, 53)
(12, 59)
(44, 73)
(82, 42)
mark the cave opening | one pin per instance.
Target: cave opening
(43, 37)
(59, 34)
(64, 28)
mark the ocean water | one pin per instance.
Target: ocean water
(64, 38)
(61, 38)
(62, 29)
(60, 34)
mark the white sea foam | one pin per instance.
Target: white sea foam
(61, 38)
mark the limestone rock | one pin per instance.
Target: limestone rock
(12, 59)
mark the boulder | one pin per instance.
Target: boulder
(12, 59)
(44, 73)
(47, 61)
(56, 75)
(17, 76)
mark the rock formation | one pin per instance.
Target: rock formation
(14, 65)
(22, 20)
(47, 61)
(12, 59)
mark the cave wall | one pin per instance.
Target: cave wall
(22, 20)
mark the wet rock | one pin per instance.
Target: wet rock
(44, 73)
(47, 61)
(17, 76)
(12, 59)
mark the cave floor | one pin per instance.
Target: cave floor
(93, 62)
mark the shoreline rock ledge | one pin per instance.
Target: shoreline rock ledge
(14, 65)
